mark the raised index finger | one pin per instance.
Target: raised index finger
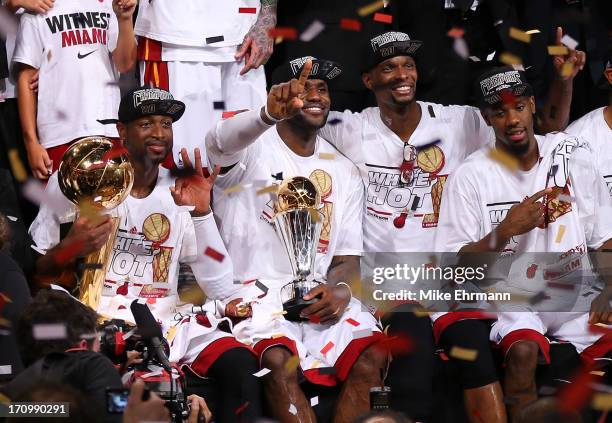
(535, 197)
(305, 73)
(559, 35)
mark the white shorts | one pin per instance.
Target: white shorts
(574, 328)
(327, 352)
(207, 89)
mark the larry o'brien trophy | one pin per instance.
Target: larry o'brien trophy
(298, 222)
(95, 177)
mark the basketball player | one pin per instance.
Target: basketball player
(209, 54)
(405, 149)
(155, 233)
(596, 128)
(71, 46)
(262, 147)
(554, 203)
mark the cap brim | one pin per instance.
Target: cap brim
(171, 108)
(402, 48)
(520, 90)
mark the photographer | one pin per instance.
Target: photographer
(57, 340)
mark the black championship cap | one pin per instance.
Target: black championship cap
(145, 101)
(321, 69)
(388, 45)
(494, 85)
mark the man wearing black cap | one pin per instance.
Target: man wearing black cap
(547, 197)
(596, 128)
(163, 222)
(335, 342)
(405, 149)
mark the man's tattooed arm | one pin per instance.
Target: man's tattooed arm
(257, 46)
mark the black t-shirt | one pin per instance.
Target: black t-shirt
(86, 371)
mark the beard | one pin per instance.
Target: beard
(301, 121)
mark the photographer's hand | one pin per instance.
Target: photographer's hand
(137, 410)
(199, 410)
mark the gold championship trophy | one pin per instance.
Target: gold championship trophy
(298, 223)
(96, 178)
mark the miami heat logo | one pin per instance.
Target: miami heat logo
(156, 228)
(323, 182)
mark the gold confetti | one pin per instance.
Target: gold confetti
(510, 59)
(463, 353)
(327, 156)
(270, 188)
(503, 158)
(557, 50)
(4, 399)
(233, 188)
(5, 298)
(560, 233)
(371, 8)
(567, 69)
(315, 364)
(17, 166)
(279, 314)
(292, 363)
(278, 335)
(421, 312)
(598, 373)
(517, 34)
(278, 40)
(602, 402)
(532, 31)
(171, 334)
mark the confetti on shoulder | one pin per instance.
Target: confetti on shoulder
(327, 156)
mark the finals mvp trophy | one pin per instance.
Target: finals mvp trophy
(96, 177)
(298, 222)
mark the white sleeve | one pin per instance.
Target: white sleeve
(459, 222)
(350, 237)
(29, 46)
(227, 141)
(113, 32)
(54, 210)
(215, 278)
(343, 131)
(476, 132)
(592, 198)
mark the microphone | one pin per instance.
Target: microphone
(151, 332)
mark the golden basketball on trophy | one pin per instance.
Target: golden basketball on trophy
(95, 175)
(298, 221)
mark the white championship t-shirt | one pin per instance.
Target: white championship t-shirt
(154, 235)
(245, 218)
(71, 45)
(481, 191)
(197, 30)
(594, 128)
(444, 136)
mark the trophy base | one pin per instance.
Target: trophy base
(295, 307)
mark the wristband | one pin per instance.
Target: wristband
(202, 218)
(267, 115)
(347, 285)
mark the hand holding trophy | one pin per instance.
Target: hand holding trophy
(96, 177)
(298, 222)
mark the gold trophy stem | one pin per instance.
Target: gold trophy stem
(92, 281)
